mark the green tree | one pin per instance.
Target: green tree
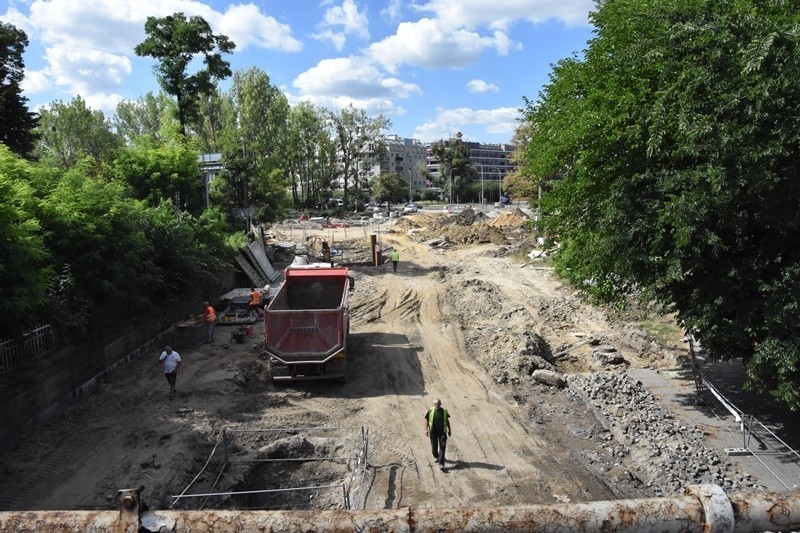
(390, 187)
(216, 122)
(91, 226)
(155, 171)
(17, 123)
(145, 117)
(311, 154)
(356, 135)
(454, 167)
(261, 112)
(175, 41)
(68, 132)
(673, 150)
(25, 269)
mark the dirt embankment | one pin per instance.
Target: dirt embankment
(461, 320)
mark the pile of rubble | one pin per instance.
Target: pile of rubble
(669, 455)
(513, 219)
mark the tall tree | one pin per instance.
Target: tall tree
(175, 41)
(676, 148)
(254, 151)
(144, 117)
(68, 132)
(216, 122)
(17, 123)
(454, 167)
(356, 133)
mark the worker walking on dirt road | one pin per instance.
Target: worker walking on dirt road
(437, 427)
(395, 259)
(172, 362)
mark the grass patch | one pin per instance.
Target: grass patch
(663, 333)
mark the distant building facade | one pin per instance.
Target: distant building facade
(492, 161)
(405, 157)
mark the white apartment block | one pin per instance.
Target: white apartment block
(405, 157)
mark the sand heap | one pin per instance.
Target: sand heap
(513, 219)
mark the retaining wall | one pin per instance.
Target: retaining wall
(40, 389)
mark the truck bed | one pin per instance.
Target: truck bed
(306, 324)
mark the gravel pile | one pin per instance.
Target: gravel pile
(665, 454)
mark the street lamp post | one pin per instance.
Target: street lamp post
(482, 188)
(451, 184)
(499, 177)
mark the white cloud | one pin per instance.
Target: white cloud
(473, 124)
(35, 81)
(107, 103)
(246, 26)
(351, 77)
(16, 18)
(500, 15)
(480, 86)
(337, 39)
(87, 71)
(429, 44)
(337, 83)
(348, 18)
(89, 43)
(393, 10)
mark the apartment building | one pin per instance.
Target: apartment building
(405, 157)
(492, 161)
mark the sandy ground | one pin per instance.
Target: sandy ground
(459, 322)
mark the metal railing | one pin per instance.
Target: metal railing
(757, 440)
(702, 508)
(36, 342)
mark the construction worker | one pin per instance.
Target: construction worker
(210, 318)
(172, 362)
(437, 427)
(395, 259)
(255, 299)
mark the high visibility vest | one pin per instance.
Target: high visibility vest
(255, 298)
(395, 256)
(444, 419)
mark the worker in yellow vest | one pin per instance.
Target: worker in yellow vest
(395, 259)
(437, 427)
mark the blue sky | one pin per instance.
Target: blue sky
(432, 67)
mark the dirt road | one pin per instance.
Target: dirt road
(461, 323)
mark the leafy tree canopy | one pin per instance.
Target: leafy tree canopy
(17, 123)
(390, 187)
(155, 171)
(174, 41)
(68, 132)
(25, 269)
(673, 153)
(454, 166)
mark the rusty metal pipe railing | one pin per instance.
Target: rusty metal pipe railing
(703, 508)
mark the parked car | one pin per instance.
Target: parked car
(410, 208)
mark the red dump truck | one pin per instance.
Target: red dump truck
(307, 322)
